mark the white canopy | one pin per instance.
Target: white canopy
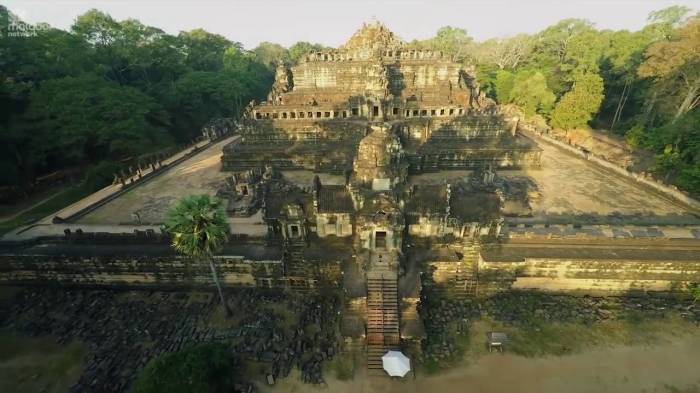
(396, 363)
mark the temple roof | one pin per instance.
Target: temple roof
(373, 35)
(334, 199)
(428, 200)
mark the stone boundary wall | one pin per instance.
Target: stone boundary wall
(193, 150)
(588, 276)
(640, 179)
(140, 271)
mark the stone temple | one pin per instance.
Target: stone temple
(319, 110)
(380, 170)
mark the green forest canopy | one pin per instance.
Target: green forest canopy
(643, 85)
(107, 90)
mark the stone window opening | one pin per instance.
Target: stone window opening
(432, 112)
(258, 115)
(345, 114)
(408, 113)
(244, 190)
(415, 112)
(295, 230)
(461, 111)
(335, 114)
(275, 115)
(395, 111)
(318, 114)
(293, 115)
(423, 112)
(284, 115)
(311, 115)
(326, 114)
(301, 115)
(375, 111)
(442, 112)
(452, 111)
(355, 112)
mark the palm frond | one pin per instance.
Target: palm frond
(198, 225)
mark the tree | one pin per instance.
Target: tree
(671, 16)
(503, 86)
(676, 64)
(205, 368)
(618, 69)
(200, 96)
(110, 90)
(678, 146)
(270, 54)
(578, 106)
(530, 93)
(506, 53)
(204, 50)
(453, 41)
(90, 118)
(552, 52)
(198, 227)
(300, 49)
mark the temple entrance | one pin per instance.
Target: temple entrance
(380, 239)
(375, 111)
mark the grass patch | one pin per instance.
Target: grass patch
(686, 389)
(564, 338)
(61, 200)
(38, 364)
(342, 366)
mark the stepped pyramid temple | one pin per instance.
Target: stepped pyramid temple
(375, 111)
(381, 172)
(319, 110)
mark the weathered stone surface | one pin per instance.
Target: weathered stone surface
(331, 97)
(123, 330)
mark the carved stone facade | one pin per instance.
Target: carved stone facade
(319, 109)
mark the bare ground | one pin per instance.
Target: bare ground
(635, 369)
(200, 174)
(665, 359)
(570, 184)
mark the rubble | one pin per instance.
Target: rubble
(124, 330)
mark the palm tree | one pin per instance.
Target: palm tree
(198, 227)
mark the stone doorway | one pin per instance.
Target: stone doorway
(380, 239)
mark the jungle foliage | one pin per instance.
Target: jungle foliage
(642, 85)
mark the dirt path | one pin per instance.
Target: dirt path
(635, 369)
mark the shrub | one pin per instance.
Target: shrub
(205, 368)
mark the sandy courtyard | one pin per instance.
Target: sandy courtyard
(570, 185)
(567, 184)
(634, 369)
(200, 174)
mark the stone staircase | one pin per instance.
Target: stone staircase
(382, 316)
(465, 282)
(295, 265)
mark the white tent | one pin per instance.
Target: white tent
(396, 363)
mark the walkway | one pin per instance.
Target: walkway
(46, 227)
(382, 309)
